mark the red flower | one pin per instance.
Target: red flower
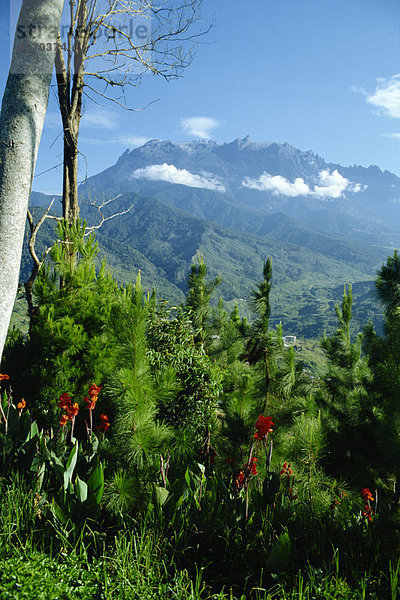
(367, 513)
(64, 420)
(91, 402)
(72, 410)
(368, 497)
(105, 424)
(253, 465)
(263, 427)
(64, 401)
(3, 376)
(240, 480)
(286, 470)
(366, 494)
(94, 391)
(21, 404)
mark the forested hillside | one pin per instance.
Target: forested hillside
(310, 268)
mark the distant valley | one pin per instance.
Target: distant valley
(324, 225)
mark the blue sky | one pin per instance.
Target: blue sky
(319, 74)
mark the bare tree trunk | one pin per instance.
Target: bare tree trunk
(70, 92)
(21, 122)
(70, 180)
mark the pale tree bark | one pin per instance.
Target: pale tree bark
(21, 122)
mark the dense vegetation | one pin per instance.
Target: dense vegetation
(157, 451)
(163, 241)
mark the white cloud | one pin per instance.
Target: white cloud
(277, 185)
(331, 185)
(134, 141)
(394, 136)
(200, 127)
(171, 174)
(100, 118)
(386, 96)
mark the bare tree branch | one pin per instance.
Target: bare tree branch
(100, 207)
(37, 262)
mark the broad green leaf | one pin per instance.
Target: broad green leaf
(73, 457)
(58, 513)
(161, 495)
(96, 483)
(270, 487)
(34, 431)
(187, 477)
(81, 489)
(280, 557)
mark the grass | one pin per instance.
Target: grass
(38, 563)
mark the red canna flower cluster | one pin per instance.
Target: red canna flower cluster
(21, 405)
(368, 510)
(64, 401)
(249, 468)
(64, 420)
(252, 466)
(366, 495)
(4, 377)
(104, 423)
(263, 427)
(240, 481)
(94, 392)
(71, 409)
(286, 470)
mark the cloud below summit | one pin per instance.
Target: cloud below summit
(171, 174)
(330, 185)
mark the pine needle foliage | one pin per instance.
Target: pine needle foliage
(67, 348)
(172, 349)
(263, 344)
(384, 352)
(349, 416)
(198, 302)
(138, 437)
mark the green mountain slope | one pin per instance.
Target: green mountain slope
(163, 242)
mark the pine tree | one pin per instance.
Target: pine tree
(263, 343)
(67, 347)
(198, 302)
(384, 360)
(349, 416)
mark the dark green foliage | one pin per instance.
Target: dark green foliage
(383, 354)
(187, 391)
(350, 416)
(172, 349)
(67, 348)
(198, 303)
(388, 284)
